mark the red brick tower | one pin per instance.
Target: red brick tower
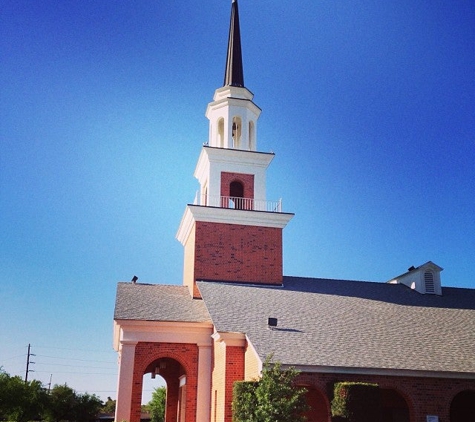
(232, 232)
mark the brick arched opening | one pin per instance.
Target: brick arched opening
(319, 408)
(394, 406)
(174, 361)
(236, 194)
(237, 190)
(462, 407)
(173, 373)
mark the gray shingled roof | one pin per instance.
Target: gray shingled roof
(336, 323)
(157, 302)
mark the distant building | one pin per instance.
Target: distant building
(411, 336)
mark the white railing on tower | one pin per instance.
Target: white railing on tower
(238, 203)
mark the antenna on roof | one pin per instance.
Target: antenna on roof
(134, 279)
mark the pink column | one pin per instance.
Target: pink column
(125, 380)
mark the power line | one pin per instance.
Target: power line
(80, 360)
(14, 357)
(76, 350)
(78, 373)
(73, 366)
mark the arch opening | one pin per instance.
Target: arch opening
(394, 406)
(252, 137)
(236, 132)
(220, 134)
(149, 385)
(318, 410)
(236, 195)
(462, 408)
(169, 373)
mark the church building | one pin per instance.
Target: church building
(412, 336)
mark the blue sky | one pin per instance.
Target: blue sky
(369, 107)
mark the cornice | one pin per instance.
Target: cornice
(164, 332)
(233, 102)
(231, 158)
(194, 213)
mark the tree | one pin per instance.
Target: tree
(21, 401)
(109, 406)
(273, 398)
(157, 404)
(5, 394)
(244, 401)
(87, 407)
(66, 405)
(62, 401)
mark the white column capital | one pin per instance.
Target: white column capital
(128, 342)
(204, 345)
(230, 339)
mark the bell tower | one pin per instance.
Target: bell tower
(231, 232)
(232, 114)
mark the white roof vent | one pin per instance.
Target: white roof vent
(424, 279)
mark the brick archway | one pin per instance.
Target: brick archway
(182, 360)
(462, 407)
(172, 373)
(394, 406)
(319, 410)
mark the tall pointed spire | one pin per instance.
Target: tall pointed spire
(234, 75)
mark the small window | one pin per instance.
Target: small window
(236, 194)
(429, 282)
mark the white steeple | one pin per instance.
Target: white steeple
(232, 232)
(232, 114)
(232, 145)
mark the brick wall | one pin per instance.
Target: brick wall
(234, 252)
(234, 372)
(423, 396)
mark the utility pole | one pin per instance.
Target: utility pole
(28, 361)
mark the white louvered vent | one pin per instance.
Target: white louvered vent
(429, 282)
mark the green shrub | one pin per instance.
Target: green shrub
(244, 401)
(273, 398)
(356, 402)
